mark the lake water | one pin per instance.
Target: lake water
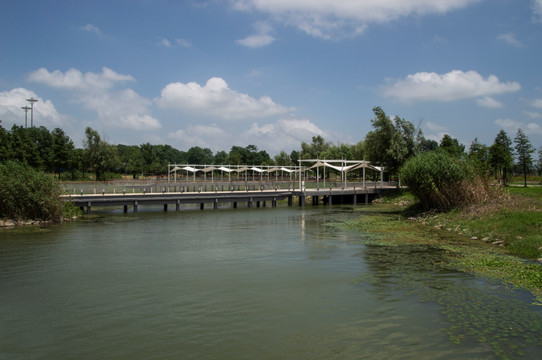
(266, 283)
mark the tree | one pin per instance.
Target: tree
(282, 159)
(389, 144)
(500, 155)
(100, 156)
(452, 146)
(61, 152)
(314, 150)
(540, 161)
(479, 155)
(5, 144)
(524, 150)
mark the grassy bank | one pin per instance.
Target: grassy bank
(500, 240)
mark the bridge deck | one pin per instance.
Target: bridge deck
(201, 198)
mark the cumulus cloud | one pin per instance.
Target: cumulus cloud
(260, 39)
(452, 86)
(332, 18)
(489, 102)
(510, 39)
(115, 108)
(74, 79)
(217, 100)
(513, 125)
(284, 134)
(45, 113)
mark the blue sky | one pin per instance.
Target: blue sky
(272, 73)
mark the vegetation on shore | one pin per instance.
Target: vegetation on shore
(500, 239)
(29, 194)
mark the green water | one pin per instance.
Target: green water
(267, 283)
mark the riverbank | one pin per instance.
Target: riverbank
(500, 240)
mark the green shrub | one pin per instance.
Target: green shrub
(28, 194)
(442, 181)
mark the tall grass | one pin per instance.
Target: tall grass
(441, 181)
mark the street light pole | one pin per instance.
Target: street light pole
(32, 101)
(25, 108)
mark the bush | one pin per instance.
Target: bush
(442, 181)
(28, 194)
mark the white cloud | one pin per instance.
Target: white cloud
(284, 134)
(261, 38)
(45, 113)
(177, 42)
(510, 39)
(217, 100)
(537, 10)
(91, 28)
(513, 125)
(533, 115)
(255, 41)
(436, 127)
(74, 79)
(451, 86)
(335, 19)
(489, 102)
(122, 108)
(537, 103)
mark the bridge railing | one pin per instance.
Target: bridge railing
(150, 186)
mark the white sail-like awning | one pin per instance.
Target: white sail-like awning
(287, 170)
(191, 169)
(175, 169)
(257, 169)
(209, 168)
(223, 168)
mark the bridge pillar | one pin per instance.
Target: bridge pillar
(355, 200)
(301, 200)
(366, 198)
(135, 206)
(215, 204)
(125, 209)
(258, 203)
(165, 207)
(315, 200)
(250, 203)
(330, 200)
(274, 202)
(89, 207)
(290, 200)
(201, 206)
(235, 204)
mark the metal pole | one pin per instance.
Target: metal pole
(25, 108)
(32, 101)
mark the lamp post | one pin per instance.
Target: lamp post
(32, 101)
(25, 108)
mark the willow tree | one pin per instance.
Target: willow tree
(391, 143)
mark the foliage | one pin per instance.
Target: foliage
(500, 156)
(100, 156)
(524, 151)
(314, 150)
(390, 144)
(451, 145)
(443, 181)
(479, 156)
(28, 194)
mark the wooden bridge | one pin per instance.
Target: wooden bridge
(251, 197)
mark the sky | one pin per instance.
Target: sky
(271, 73)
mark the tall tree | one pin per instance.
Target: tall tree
(314, 150)
(62, 151)
(479, 155)
(500, 155)
(524, 150)
(389, 144)
(100, 156)
(452, 146)
(540, 161)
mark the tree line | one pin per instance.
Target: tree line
(389, 144)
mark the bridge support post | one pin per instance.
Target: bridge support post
(201, 206)
(315, 200)
(249, 203)
(89, 208)
(178, 205)
(301, 200)
(135, 206)
(235, 204)
(274, 202)
(215, 204)
(125, 209)
(355, 200)
(330, 200)
(366, 198)
(165, 207)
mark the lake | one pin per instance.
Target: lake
(265, 283)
